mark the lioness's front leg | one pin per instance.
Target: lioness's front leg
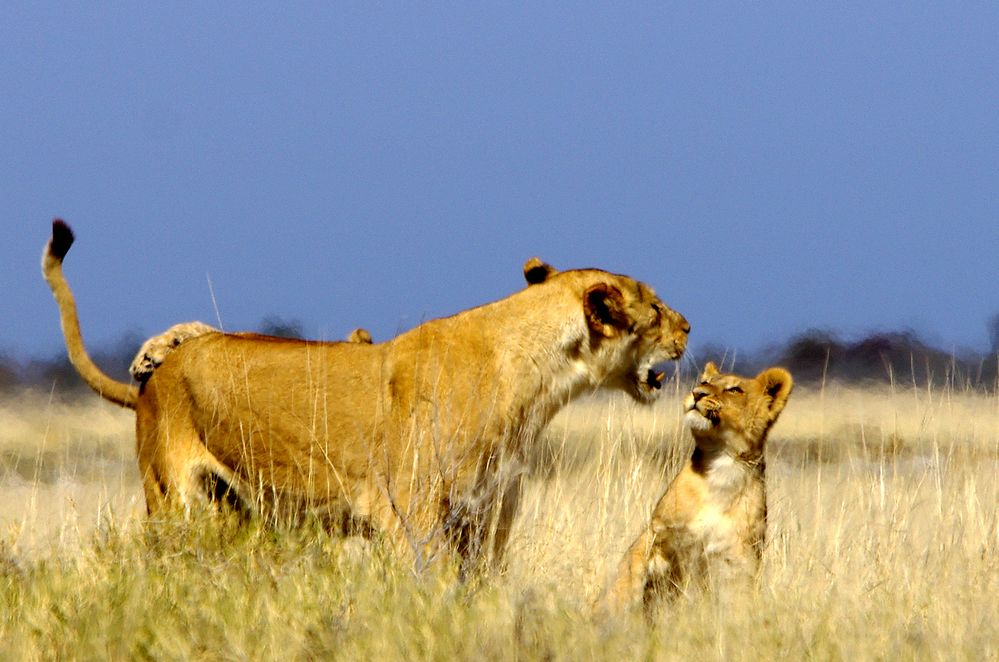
(509, 503)
(413, 526)
(477, 529)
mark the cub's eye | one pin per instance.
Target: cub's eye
(734, 389)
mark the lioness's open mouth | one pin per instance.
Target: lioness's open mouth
(654, 380)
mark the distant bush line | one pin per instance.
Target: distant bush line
(899, 357)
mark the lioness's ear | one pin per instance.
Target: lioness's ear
(536, 271)
(710, 370)
(777, 383)
(603, 306)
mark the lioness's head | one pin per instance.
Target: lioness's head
(629, 331)
(734, 411)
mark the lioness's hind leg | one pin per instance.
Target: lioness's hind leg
(153, 491)
(222, 488)
(169, 484)
(178, 471)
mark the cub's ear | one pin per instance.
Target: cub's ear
(536, 271)
(603, 306)
(776, 383)
(710, 370)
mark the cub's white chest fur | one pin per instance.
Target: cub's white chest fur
(726, 478)
(727, 481)
(714, 528)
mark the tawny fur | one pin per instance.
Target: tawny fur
(419, 437)
(154, 351)
(709, 527)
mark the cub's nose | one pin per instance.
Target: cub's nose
(699, 392)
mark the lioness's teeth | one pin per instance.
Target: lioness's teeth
(660, 376)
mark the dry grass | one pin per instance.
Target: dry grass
(64, 467)
(884, 543)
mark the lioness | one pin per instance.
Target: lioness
(711, 522)
(418, 437)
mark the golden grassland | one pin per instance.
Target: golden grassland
(883, 543)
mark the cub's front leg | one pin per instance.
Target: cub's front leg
(632, 575)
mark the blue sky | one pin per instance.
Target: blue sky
(768, 168)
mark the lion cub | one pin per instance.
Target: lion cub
(709, 526)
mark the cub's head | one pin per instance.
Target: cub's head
(360, 335)
(736, 412)
(626, 331)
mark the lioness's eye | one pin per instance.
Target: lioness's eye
(734, 389)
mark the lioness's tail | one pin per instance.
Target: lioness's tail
(109, 389)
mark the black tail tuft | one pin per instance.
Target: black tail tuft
(62, 239)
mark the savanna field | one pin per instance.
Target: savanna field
(883, 543)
